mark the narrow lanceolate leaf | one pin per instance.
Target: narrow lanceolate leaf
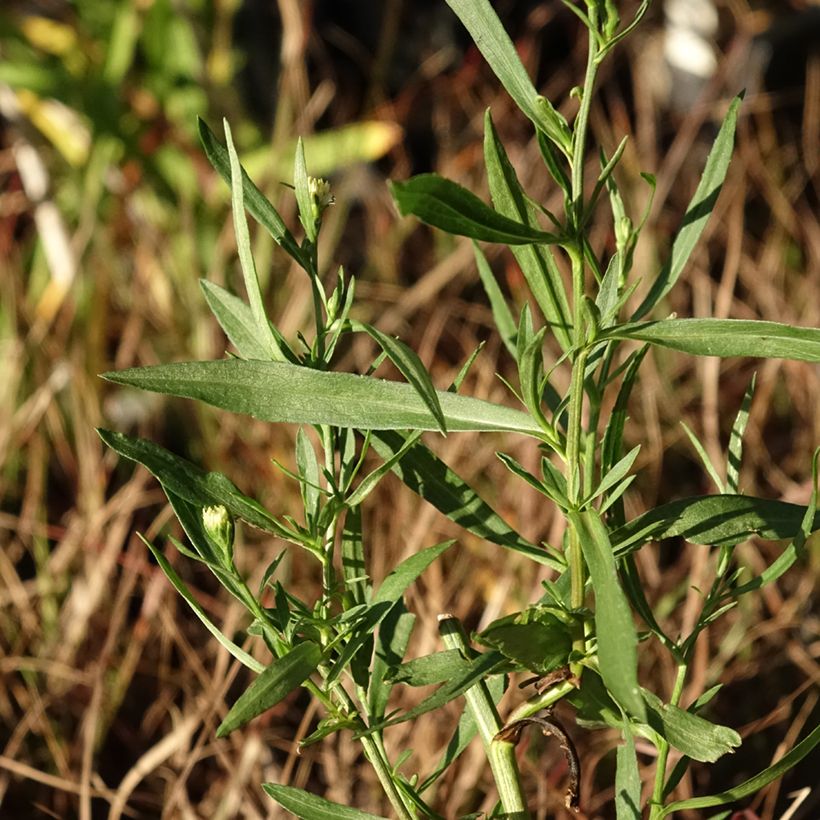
(309, 806)
(410, 366)
(236, 319)
(691, 734)
(390, 591)
(192, 483)
(617, 639)
(751, 786)
(494, 43)
(504, 322)
(725, 338)
(475, 671)
(542, 275)
(446, 205)
(698, 212)
(255, 200)
(735, 452)
(627, 781)
(391, 645)
(239, 653)
(713, 520)
(283, 392)
(273, 684)
(243, 246)
(429, 669)
(428, 476)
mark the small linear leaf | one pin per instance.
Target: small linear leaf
(410, 366)
(277, 680)
(698, 212)
(255, 200)
(446, 205)
(309, 806)
(627, 781)
(751, 786)
(502, 316)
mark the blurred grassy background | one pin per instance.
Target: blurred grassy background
(109, 214)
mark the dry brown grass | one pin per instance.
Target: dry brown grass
(110, 690)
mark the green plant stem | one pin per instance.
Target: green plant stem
(500, 753)
(656, 803)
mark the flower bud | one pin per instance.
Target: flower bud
(218, 524)
(320, 196)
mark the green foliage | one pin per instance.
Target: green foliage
(348, 647)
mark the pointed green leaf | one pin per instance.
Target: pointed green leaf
(391, 644)
(446, 205)
(542, 275)
(698, 212)
(428, 476)
(474, 672)
(255, 200)
(308, 466)
(192, 483)
(309, 806)
(617, 639)
(410, 366)
(390, 591)
(538, 646)
(239, 653)
(354, 567)
(429, 669)
(280, 391)
(725, 338)
(736, 439)
(627, 781)
(303, 198)
(243, 245)
(479, 18)
(713, 520)
(691, 734)
(751, 786)
(504, 322)
(274, 683)
(236, 319)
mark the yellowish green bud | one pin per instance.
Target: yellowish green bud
(218, 523)
(320, 196)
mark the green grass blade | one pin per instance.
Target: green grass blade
(726, 337)
(617, 638)
(309, 806)
(283, 392)
(243, 245)
(428, 476)
(446, 205)
(255, 200)
(240, 654)
(713, 520)
(502, 316)
(410, 366)
(751, 786)
(698, 212)
(274, 683)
